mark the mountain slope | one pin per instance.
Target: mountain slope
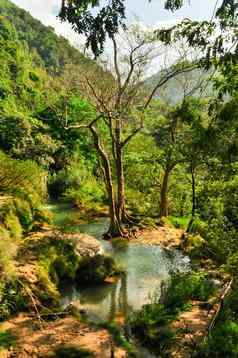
(49, 50)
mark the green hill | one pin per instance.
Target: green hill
(49, 50)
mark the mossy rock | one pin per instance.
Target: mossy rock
(94, 270)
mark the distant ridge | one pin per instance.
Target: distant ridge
(195, 83)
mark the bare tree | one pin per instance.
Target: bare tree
(121, 100)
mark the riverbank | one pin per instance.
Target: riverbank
(147, 259)
(45, 260)
(28, 337)
(180, 329)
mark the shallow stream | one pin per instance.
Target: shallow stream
(146, 268)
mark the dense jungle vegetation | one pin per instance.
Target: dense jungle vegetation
(104, 137)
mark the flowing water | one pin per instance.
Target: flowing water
(146, 267)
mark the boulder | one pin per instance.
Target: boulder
(86, 245)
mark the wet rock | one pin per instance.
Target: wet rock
(85, 245)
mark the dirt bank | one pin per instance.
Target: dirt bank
(34, 340)
(164, 236)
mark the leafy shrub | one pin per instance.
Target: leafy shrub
(232, 264)
(222, 343)
(41, 216)
(22, 179)
(149, 325)
(58, 184)
(89, 194)
(77, 183)
(57, 262)
(186, 286)
(46, 289)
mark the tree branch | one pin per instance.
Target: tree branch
(78, 126)
(115, 53)
(132, 65)
(98, 99)
(133, 134)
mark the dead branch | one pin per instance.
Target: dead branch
(226, 290)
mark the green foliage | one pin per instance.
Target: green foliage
(232, 263)
(149, 325)
(224, 337)
(13, 225)
(78, 184)
(24, 213)
(151, 322)
(198, 227)
(23, 192)
(88, 196)
(118, 335)
(47, 289)
(48, 49)
(223, 343)
(185, 287)
(57, 262)
(97, 25)
(23, 179)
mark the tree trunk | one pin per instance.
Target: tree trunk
(192, 169)
(121, 197)
(164, 205)
(115, 228)
(193, 192)
(120, 185)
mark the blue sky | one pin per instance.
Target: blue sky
(152, 12)
(149, 13)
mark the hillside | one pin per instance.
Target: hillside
(49, 50)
